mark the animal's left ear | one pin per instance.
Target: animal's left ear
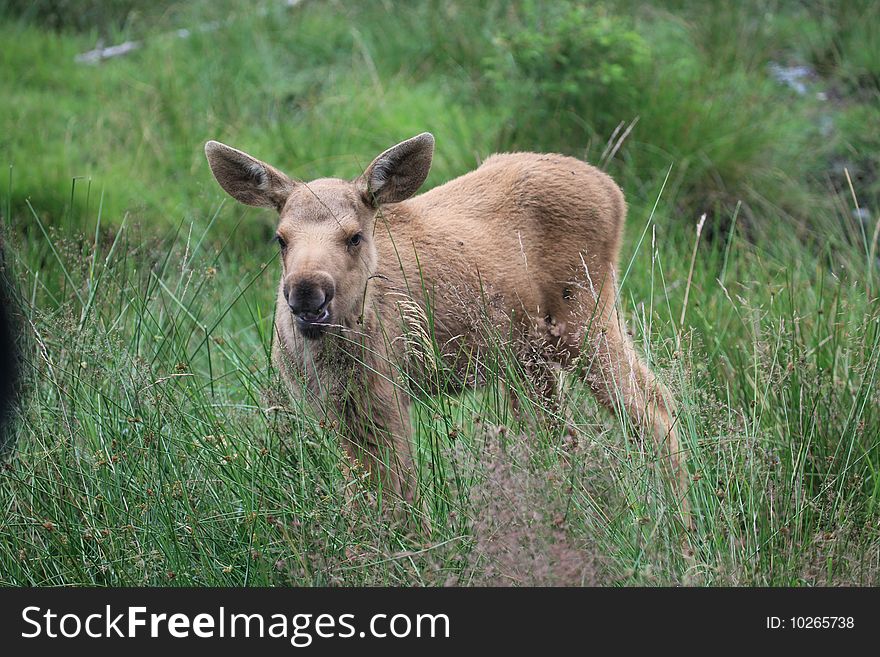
(398, 173)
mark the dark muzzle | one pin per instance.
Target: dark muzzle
(309, 300)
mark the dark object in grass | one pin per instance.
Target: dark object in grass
(8, 358)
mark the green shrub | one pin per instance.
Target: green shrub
(565, 74)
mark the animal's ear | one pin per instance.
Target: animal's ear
(397, 173)
(247, 179)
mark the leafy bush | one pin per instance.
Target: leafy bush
(565, 74)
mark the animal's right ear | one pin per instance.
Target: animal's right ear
(247, 179)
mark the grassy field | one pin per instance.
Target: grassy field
(154, 443)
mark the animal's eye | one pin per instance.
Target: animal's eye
(281, 242)
(355, 239)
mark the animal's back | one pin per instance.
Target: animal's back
(518, 229)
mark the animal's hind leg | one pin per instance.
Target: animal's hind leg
(622, 382)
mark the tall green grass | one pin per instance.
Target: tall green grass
(155, 443)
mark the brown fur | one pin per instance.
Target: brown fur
(533, 237)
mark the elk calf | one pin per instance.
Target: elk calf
(534, 237)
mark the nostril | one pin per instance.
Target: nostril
(328, 296)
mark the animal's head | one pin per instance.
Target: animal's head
(326, 227)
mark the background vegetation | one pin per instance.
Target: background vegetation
(154, 443)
